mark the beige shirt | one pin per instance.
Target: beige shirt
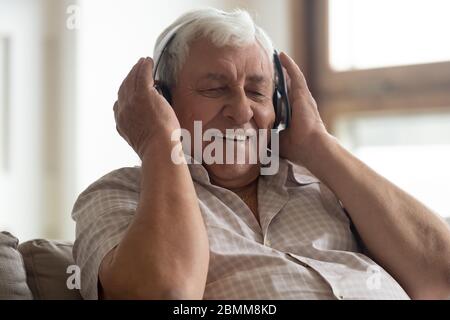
(303, 248)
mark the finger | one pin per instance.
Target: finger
(297, 79)
(145, 76)
(137, 73)
(118, 130)
(128, 85)
(124, 89)
(287, 79)
(116, 110)
(288, 82)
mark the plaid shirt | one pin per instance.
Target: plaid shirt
(303, 248)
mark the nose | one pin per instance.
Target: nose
(238, 109)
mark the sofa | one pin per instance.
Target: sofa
(37, 269)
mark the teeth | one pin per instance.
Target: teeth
(233, 137)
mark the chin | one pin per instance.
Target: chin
(232, 175)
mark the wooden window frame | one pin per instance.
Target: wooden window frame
(420, 87)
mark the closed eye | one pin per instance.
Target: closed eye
(216, 89)
(219, 91)
(256, 95)
(213, 92)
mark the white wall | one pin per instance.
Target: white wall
(21, 191)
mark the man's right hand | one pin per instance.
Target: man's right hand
(141, 113)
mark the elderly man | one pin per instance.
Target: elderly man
(170, 230)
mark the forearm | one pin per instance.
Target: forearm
(165, 251)
(403, 235)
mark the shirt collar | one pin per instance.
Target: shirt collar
(300, 174)
(197, 170)
(287, 170)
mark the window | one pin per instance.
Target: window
(368, 34)
(412, 150)
(380, 73)
(362, 62)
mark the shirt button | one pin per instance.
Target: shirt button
(268, 243)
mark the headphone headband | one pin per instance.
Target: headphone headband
(165, 42)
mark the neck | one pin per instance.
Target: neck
(244, 190)
(249, 194)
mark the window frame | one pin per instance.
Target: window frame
(394, 88)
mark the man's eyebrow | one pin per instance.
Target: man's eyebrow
(214, 76)
(256, 78)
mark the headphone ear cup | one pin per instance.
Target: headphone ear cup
(277, 107)
(166, 93)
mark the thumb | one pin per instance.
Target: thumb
(145, 76)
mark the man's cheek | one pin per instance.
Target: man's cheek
(265, 117)
(267, 130)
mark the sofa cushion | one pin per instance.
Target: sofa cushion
(50, 266)
(13, 284)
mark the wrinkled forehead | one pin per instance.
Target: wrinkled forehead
(215, 63)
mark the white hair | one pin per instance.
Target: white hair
(235, 28)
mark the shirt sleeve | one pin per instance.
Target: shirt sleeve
(102, 214)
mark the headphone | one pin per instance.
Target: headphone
(280, 99)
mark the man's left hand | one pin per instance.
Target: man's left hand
(296, 142)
